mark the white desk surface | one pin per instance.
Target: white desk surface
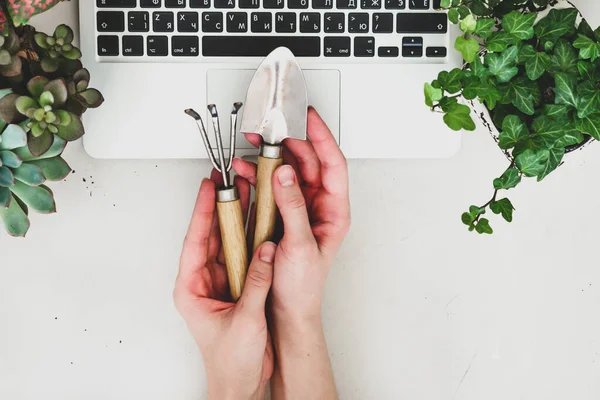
(416, 307)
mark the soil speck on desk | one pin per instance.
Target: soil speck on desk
(55, 317)
(84, 179)
(120, 341)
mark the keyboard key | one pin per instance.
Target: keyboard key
(237, 22)
(116, 3)
(224, 3)
(150, 3)
(437, 4)
(175, 3)
(383, 23)
(310, 22)
(110, 21)
(185, 46)
(133, 46)
(163, 22)
(139, 21)
(412, 47)
(187, 22)
(108, 45)
(364, 46)
(261, 22)
(334, 22)
(248, 3)
(422, 23)
(345, 4)
(395, 4)
(158, 46)
(259, 46)
(285, 22)
(370, 4)
(273, 3)
(418, 4)
(336, 46)
(391, 51)
(297, 4)
(212, 22)
(358, 22)
(436, 52)
(322, 4)
(199, 3)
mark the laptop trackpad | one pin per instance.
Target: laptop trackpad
(225, 87)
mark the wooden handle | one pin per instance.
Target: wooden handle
(266, 209)
(233, 238)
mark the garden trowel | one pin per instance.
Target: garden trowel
(276, 109)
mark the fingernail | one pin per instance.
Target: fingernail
(267, 252)
(286, 176)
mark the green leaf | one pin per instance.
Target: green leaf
(463, 11)
(14, 219)
(46, 99)
(490, 95)
(6, 177)
(8, 110)
(13, 137)
(483, 226)
(479, 8)
(532, 163)
(526, 52)
(476, 211)
(589, 125)
(499, 41)
(588, 71)
(565, 89)
(10, 159)
(58, 88)
(64, 32)
(513, 132)
(451, 81)
(585, 29)
(5, 57)
(73, 54)
(458, 117)
(564, 58)
(519, 25)
(468, 48)
(73, 131)
(503, 65)
(556, 133)
(445, 3)
(479, 69)
(38, 198)
(523, 99)
(557, 111)
(21, 11)
(473, 86)
(504, 207)
(432, 94)
(556, 24)
(588, 48)
(5, 197)
(63, 116)
(38, 145)
(466, 218)
(57, 147)
(90, 98)
(447, 103)
(484, 26)
(54, 169)
(35, 86)
(41, 40)
(536, 65)
(30, 174)
(24, 103)
(589, 99)
(468, 23)
(49, 64)
(510, 179)
(453, 16)
(556, 155)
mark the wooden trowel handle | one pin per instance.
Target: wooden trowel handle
(266, 209)
(233, 238)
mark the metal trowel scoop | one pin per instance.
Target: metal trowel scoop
(276, 109)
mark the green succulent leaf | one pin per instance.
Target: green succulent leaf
(6, 177)
(589, 125)
(30, 174)
(64, 32)
(503, 207)
(56, 149)
(81, 86)
(63, 116)
(513, 132)
(35, 86)
(46, 99)
(5, 197)
(468, 22)
(588, 101)
(39, 198)
(49, 64)
(556, 24)
(10, 159)
(8, 110)
(54, 169)
(458, 117)
(532, 163)
(58, 88)
(5, 57)
(483, 226)
(510, 179)
(564, 58)
(432, 94)
(41, 40)
(14, 219)
(565, 89)
(468, 48)
(24, 103)
(73, 131)
(451, 81)
(90, 98)
(13, 137)
(39, 145)
(503, 65)
(499, 41)
(519, 25)
(73, 54)
(13, 69)
(81, 75)
(588, 48)
(484, 26)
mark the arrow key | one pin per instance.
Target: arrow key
(110, 21)
(391, 51)
(436, 52)
(364, 46)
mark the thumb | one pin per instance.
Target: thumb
(258, 280)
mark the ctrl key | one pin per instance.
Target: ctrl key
(185, 46)
(108, 45)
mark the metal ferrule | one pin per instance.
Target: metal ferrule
(228, 194)
(270, 151)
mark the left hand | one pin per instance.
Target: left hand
(233, 338)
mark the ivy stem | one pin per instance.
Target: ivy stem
(493, 199)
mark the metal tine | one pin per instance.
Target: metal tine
(221, 153)
(192, 113)
(232, 133)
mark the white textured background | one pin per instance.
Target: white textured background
(416, 307)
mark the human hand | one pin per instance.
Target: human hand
(233, 338)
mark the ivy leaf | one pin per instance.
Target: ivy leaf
(557, 111)
(585, 29)
(484, 26)
(476, 211)
(473, 86)
(589, 125)
(432, 94)
(444, 3)
(589, 99)
(468, 48)
(513, 131)
(519, 25)
(597, 33)
(463, 11)
(564, 58)
(459, 117)
(509, 179)
(588, 48)
(479, 8)
(523, 99)
(503, 65)
(451, 81)
(479, 69)
(483, 226)
(555, 133)
(499, 41)
(504, 207)
(447, 103)
(525, 54)
(453, 16)
(556, 24)
(588, 71)
(532, 163)
(565, 89)
(555, 157)
(490, 95)
(467, 219)
(536, 66)
(468, 23)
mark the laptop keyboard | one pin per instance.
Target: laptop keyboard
(385, 30)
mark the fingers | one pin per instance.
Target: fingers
(245, 169)
(253, 139)
(308, 163)
(292, 206)
(258, 281)
(334, 171)
(243, 187)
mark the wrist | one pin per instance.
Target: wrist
(222, 391)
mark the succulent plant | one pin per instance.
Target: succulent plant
(81, 96)
(10, 63)
(56, 48)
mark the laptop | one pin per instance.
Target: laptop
(364, 61)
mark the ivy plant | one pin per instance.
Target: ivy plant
(538, 77)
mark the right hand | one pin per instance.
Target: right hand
(312, 196)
